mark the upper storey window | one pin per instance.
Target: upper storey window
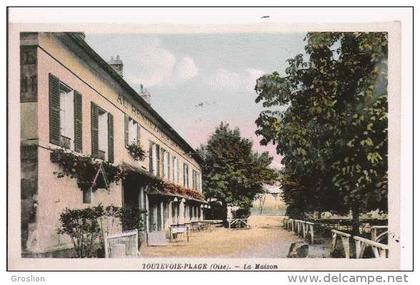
(102, 133)
(175, 169)
(196, 180)
(186, 176)
(65, 115)
(166, 165)
(131, 131)
(154, 159)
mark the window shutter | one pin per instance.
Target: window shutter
(163, 163)
(158, 160)
(110, 138)
(54, 109)
(138, 134)
(94, 129)
(78, 121)
(126, 121)
(151, 157)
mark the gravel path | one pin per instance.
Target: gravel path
(265, 239)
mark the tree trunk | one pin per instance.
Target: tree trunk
(355, 220)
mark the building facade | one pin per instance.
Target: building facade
(73, 99)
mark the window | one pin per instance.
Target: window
(87, 196)
(154, 159)
(131, 130)
(175, 170)
(102, 133)
(196, 180)
(65, 115)
(166, 165)
(186, 176)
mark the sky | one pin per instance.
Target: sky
(199, 80)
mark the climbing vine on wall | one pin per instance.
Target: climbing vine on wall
(84, 168)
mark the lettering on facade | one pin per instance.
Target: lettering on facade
(139, 116)
(28, 74)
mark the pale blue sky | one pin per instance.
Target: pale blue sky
(199, 80)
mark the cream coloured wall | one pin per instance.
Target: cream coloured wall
(55, 194)
(110, 104)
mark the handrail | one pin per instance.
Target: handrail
(345, 239)
(371, 242)
(341, 233)
(379, 227)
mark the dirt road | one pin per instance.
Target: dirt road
(265, 238)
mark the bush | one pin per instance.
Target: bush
(132, 218)
(83, 228)
(87, 230)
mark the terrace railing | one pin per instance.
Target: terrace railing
(379, 250)
(345, 240)
(302, 228)
(378, 233)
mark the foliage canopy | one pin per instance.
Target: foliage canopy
(328, 119)
(233, 173)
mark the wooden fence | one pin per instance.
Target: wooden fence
(306, 230)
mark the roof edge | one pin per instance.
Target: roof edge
(134, 95)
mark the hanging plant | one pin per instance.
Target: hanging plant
(194, 194)
(84, 168)
(179, 190)
(136, 151)
(174, 189)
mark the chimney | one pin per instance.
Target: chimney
(117, 65)
(145, 94)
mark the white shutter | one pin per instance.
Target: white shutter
(132, 131)
(165, 162)
(154, 159)
(103, 132)
(168, 165)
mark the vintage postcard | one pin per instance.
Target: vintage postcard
(206, 140)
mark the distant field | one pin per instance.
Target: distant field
(273, 206)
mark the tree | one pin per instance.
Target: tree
(261, 197)
(232, 172)
(328, 119)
